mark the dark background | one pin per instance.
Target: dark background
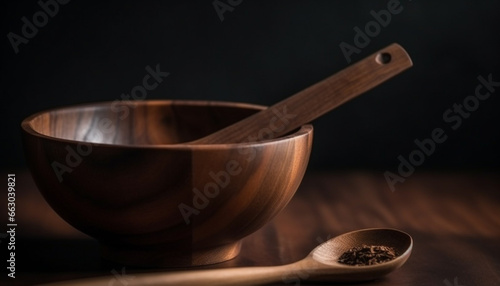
(262, 52)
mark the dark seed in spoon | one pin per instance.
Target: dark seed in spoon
(367, 255)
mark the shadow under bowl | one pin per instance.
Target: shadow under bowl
(121, 173)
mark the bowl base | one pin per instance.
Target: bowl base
(168, 257)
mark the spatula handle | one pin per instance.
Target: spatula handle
(315, 100)
(216, 277)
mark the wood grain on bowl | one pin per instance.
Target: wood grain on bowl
(122, 174)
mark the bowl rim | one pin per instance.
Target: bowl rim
(304, 130)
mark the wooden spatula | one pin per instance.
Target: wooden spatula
(316, 100)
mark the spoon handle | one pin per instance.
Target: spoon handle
(228, 276)
(316, 100)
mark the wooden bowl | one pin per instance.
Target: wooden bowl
(121, 173)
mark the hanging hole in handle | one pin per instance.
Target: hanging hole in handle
(383, 58)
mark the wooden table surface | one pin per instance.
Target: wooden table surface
(454, 219)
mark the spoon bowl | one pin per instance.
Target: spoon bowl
(321, 265)
(325, 257)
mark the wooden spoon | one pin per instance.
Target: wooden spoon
(320, 265)
(316, 100)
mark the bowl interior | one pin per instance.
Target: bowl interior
(139, 123)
